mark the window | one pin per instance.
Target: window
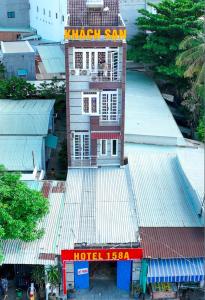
(56, 16)
(44, 11)
(11, 14)
(103, 147)
(90, 103)
(49, 13)
(37, 9)
(114, 147)
(63, 19)
(78, 60)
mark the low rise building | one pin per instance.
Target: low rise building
(26, 130)
(18, 59)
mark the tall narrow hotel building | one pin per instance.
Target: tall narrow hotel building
(96, 69)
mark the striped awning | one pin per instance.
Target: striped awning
(105, 135)
(176, 270)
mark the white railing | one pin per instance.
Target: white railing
(98, 75)
(85, 161)
(111, 119)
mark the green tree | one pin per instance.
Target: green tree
(16, 88)
(192, 59)
(2, 71)
(21, 208)
(162, 34)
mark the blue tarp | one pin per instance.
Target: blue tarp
(176, 270)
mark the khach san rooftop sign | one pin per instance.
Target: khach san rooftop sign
(95, 34)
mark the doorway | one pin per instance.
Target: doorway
(103, 275)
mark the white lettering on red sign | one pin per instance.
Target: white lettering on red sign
(82, 271)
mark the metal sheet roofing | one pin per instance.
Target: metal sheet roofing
(94, 206)
(147, 113)
(16, 47)
(96, 195)
(52, 57)
(16, 153)
(18, 252)
(25, 117)
(165, 242)
(162, 197)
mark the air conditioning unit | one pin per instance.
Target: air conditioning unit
(84, 72)
(72, 72)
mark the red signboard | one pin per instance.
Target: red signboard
(101, 254)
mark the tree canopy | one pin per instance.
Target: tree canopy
(21, 208)
(162, 32)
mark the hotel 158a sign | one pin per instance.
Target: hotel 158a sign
(101, 254)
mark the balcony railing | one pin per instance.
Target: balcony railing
(105, 76)
(111, 120)
(98, 75)
(86, 161)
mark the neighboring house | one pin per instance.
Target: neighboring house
(18, 59)
(14, 19)
(129, 11)
(26, 139)
(50, 62)
(49, 17)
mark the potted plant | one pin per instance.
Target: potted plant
(137, 291)
(54, 280)
(38, 277)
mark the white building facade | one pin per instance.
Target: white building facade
(49, 17)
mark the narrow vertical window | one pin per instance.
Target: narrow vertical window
(78, 60)
(37, 9)
(44, 11)
(63, 19)
(49, 13)
(56, 16)
(86, 105)
(104, 147)
(94, 105)
(114, 147)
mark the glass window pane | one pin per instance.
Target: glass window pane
(94, 104)
(104, 147)
(86, 105)
(114, 147)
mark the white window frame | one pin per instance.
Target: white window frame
(108, 94)
(90, 50)
(115, 155)
(81, 151)
(90, 96)
(101, 142)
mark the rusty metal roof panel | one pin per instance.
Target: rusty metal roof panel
(175, 242)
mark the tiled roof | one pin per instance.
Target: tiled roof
(166, 242)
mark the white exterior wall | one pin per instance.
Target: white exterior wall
(47, 25)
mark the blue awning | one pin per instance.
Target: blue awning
(176, 270)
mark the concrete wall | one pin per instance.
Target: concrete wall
(44, 19)
(129, 11)
(21, 9)
(14, 62)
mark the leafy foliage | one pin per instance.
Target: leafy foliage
(38, 275)
(20, 208)
(201, 129)
(54, 277)
(163, 33)
(16, 88)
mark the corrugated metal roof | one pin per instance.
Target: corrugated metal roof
(147, 113)
(52, 57)
(18, 252)
(16, 152)
(16, 47)
(172, 242)
(25, 117)
(162, 197)
(98, 208)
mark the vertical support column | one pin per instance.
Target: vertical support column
(124, 57)
(124, 270)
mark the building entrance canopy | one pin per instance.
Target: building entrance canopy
(176, 270)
